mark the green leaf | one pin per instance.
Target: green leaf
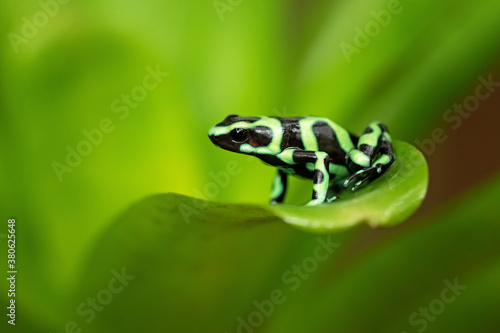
(206, 260)
(199, 273)
(386, 201)
(205, 272)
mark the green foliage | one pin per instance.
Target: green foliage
(206, 273)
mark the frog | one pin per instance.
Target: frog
(311, 147)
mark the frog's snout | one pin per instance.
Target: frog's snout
(214, 139)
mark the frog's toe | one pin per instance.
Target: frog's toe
(352, 177)
(332, 199)
(360, 182)
(362, 176)
(356, 175)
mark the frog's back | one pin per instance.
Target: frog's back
(318, 134)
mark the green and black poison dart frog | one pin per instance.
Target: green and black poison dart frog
(310, 147)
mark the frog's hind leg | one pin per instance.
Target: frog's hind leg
(383, 155)
(373, 155)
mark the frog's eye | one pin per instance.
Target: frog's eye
(239, 134)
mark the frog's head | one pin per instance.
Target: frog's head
(246, 135)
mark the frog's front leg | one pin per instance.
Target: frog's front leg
(373, 155)
(279, 187)
(321, 177)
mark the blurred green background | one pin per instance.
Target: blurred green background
(74, 68)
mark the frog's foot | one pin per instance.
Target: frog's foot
(362, 176)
